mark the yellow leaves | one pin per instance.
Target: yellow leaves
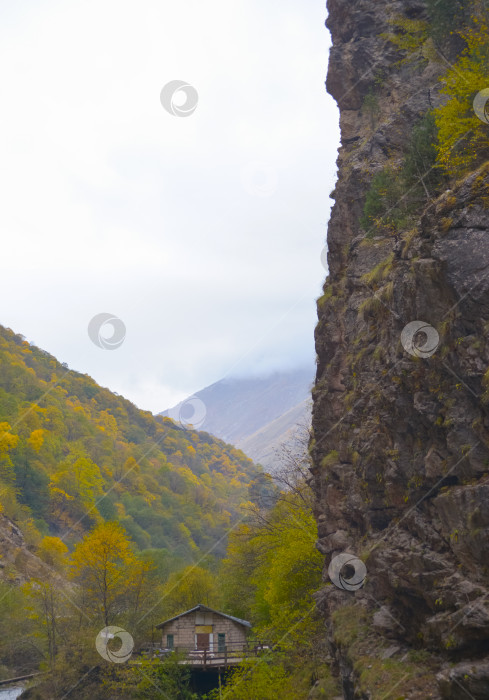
(36, 439)
(121, 511)
(461, 134)
(53, 551)
(59, 493)
(82, 410)
(188, 475)
(131, 465)
(7, 440)
(107, 423)
(106, 567)
(149, 498)
(37, 409)
(78, 480)
(106, 549)
(409, 34)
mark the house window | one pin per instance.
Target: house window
(170, 641)
(203, 618)
(221, 641)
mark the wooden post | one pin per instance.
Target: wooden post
(205, 657)
(226, 654)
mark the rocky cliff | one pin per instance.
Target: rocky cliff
(400, 443)
(17, 563)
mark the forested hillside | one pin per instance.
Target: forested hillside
(73, 454)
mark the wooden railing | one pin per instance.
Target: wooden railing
(230, 654)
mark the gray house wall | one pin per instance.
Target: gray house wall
(184, 630)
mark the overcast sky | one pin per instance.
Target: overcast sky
(202, 233)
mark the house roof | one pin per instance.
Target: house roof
(204, 608)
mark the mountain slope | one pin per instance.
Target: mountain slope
(72, 453)
(255, 414)
(264, 445)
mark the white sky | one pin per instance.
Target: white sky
(110, 204)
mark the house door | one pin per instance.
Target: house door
(202, 641)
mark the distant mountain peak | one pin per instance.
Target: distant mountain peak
(255, 414)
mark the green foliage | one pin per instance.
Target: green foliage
(396, 193)
(269, 577)
(258, 679)
(272, 570)
(189, 587)
(383, 209)
(420, 165)
(19, 650)
(150, 679)
(371, 106)
(446, 16)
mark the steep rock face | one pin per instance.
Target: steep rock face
(400, 443)
(17, 563)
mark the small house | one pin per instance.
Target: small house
(203, 628)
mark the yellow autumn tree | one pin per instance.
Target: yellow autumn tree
(54, 552)
(36, 439)
(8, 441)
(109, 573)
(79, 481)
(463, 139)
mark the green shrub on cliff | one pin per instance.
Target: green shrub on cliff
(446, 16)
(396, 193)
